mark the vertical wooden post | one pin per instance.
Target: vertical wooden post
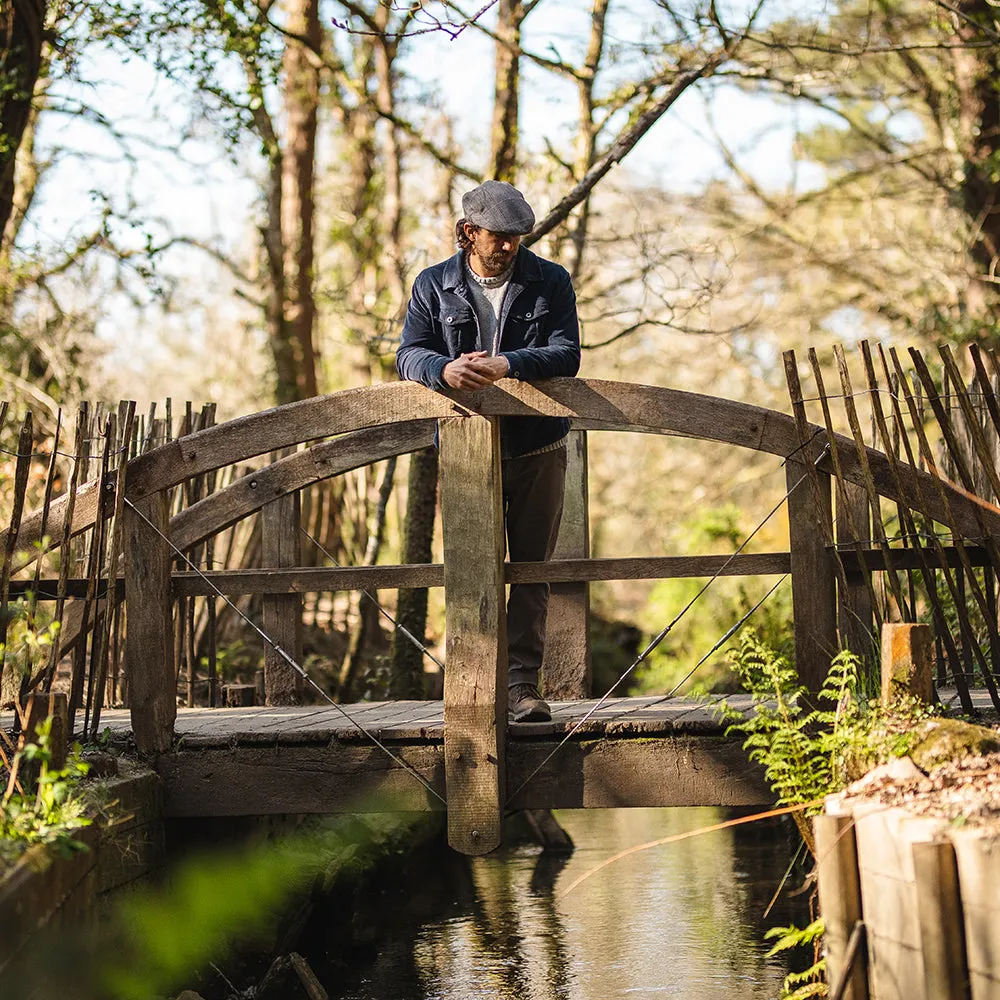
(939, 914)
(475, 679)
(814, 599)
(839, 886)
(907, 659)
(281, 547)
(855, 615)
(149, 634)
(566, 668)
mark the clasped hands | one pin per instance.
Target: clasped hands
(475, 370)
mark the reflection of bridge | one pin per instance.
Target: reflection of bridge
(463, 753)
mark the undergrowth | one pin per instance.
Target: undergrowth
(46, 810)
(811, 748)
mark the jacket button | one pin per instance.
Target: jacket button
(451, 319)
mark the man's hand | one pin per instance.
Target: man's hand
(475, 370)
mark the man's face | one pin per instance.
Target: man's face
(495, 251)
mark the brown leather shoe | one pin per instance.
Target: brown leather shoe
(525, 704)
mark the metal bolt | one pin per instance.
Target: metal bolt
(475, 835)
(253, 484)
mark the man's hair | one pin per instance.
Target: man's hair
(461, 240)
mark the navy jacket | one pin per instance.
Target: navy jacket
(539, 335)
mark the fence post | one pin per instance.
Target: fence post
(281, 547)
(475, 678)
(839, 886)
(566, 668)
(855, 615)
(814, 599)
(149, 633)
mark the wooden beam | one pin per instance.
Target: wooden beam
(308, 580)
(814, 598)
(617, 773)
(294, 472)
(475, 678)
(566, 668)
(149, 635)
(339, 777)
(280, 547)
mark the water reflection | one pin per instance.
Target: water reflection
(682, 920)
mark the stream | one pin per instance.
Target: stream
(680, 920)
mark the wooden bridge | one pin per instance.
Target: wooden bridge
(461, 753)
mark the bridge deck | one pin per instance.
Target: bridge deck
(631, 752)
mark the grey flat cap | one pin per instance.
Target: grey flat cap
(498, 207)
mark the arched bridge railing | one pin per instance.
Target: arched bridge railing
(360, 426)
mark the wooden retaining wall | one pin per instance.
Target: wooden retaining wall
(925, 891)
(47, 891)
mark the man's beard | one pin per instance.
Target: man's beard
(497, 261)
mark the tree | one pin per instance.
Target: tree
(900, 114)
(22, 25)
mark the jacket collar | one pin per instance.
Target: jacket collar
(526, 269)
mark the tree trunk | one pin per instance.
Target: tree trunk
(586, 140)
(21, 26)
(507, 77)
(301, 97)
(977, 72)
(407, 674)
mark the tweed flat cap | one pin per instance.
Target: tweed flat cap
(498, 207)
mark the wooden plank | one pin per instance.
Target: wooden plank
(839, 888)
(294, 472)
(281, 547)
(939, 916)
(566, 668)
(10, 679)
(679, 771)
(475, 681)
(149, 635)
(814, 597)
(266, 781)
(234, 582)
(610, 774)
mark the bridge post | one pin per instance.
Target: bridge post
(566, 668)
(814, 597)
(475, 677)
(149, 630)
(281, 547)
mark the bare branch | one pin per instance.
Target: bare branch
(620, 148)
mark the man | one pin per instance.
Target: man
(495, 310)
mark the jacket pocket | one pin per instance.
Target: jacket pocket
(528, 325)
(458, 328)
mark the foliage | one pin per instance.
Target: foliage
(213, 903)
(53, 812)
(807, 751)
(810, 982)
(714, 529)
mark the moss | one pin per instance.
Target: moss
(937, 741)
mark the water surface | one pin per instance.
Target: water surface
(680, 920)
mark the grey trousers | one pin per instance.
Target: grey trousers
(533, 489)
